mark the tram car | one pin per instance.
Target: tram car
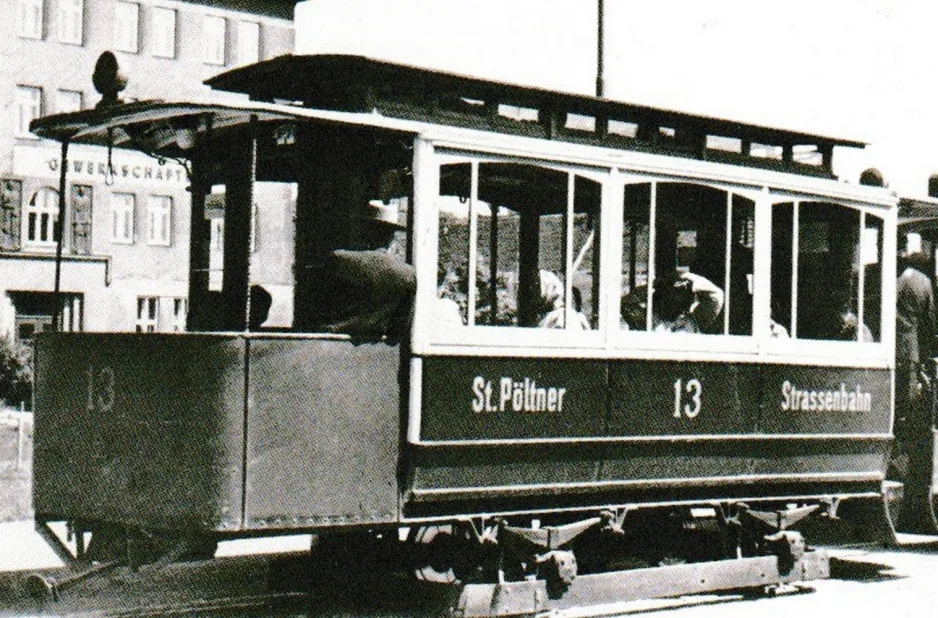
(619, 318)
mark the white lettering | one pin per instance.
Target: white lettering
(836, 400)
(515, 395)
(478, 399)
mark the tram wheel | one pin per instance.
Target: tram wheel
(440, 554)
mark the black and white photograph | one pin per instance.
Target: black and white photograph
(468, 308)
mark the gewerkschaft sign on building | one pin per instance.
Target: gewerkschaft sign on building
(89, 164)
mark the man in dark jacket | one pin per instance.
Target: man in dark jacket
(915, 335)
(915, 346)
(369, 292)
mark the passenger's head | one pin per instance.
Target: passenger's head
(872, 177)
(260, 306)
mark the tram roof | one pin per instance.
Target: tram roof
(362, 84)
(919, 215)
(156, 123)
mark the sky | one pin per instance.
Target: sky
(857, 69)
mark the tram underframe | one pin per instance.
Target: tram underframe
(521, 566)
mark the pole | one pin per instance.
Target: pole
(59, 228)
(251, 222)
(600, 68)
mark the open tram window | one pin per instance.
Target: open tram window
(702, 259)
(635, 255)
(826, 272)
(516, 241)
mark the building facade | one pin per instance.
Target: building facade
(126, 226)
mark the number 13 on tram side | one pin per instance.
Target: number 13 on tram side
(623, 318)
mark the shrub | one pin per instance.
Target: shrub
(16, 373)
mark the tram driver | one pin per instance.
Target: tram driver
(369, 289)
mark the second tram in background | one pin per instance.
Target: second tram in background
(624, 318)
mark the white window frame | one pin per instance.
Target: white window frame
(127, 26)
(28, 108)
(42, 210)
(29, 17)
(159, 220)
(64, 105)
(214, 43)
(71, 21)
(148, 314)
(494, 337)
(249, 42)
(123, 206)
(163, 22)
(180, 309)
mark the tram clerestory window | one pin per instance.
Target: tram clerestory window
(826, 272)
(516, 242)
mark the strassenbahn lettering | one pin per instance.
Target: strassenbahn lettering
(840, 400)
(521, 395)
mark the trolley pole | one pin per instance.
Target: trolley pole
(600, 68)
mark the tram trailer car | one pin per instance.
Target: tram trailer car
(490, 425)
(912, 464)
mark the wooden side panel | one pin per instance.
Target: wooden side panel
(143, 430)
(323, 433)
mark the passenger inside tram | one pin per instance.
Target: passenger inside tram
(685, 302)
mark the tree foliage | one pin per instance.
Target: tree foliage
(16, 373)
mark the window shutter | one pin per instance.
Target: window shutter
(81, 219)
(11, 202)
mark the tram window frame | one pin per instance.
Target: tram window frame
(652, 339)
(802, 346)
(429, 328)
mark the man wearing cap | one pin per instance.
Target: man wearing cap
(369, 291)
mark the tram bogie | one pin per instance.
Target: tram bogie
(593, 325)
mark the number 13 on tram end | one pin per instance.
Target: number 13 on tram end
(596, 329)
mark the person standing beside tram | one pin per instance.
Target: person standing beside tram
(915, 345)
(916, 335)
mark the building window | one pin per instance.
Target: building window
(40, 216)
(216, 255)
(213, 40)
(122, 218)
(126, 26)
(164, 32)
(159, 218)
(29, 16)
(71, 16)
(180, 308)
(69, 101)
(28, 108)
(148, 312)
(249, 42)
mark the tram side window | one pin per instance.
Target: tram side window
(702, 256)
(823, 257)
(635, 247)
(516, 243)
